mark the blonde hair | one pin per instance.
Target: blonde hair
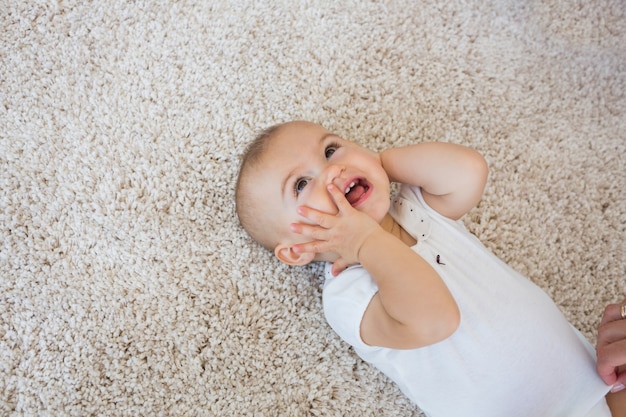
(254, 221)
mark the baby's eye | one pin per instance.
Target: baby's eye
(299, 185)
(330, 149)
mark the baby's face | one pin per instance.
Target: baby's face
(302, 159)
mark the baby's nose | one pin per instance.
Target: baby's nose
(333, 172)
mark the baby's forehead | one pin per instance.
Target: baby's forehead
(287, 147)
(266, 170)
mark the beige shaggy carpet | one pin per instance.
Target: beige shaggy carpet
(128, 288)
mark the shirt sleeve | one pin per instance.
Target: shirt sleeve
(345, 299)
(414, 193)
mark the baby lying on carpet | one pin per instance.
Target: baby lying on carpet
(407, 285)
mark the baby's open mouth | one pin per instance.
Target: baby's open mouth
(355, 191)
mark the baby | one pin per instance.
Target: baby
(407, 285)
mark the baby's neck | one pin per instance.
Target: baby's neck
(390, 225)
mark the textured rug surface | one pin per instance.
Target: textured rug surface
(127, 286)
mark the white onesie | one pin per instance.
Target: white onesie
(514, 353)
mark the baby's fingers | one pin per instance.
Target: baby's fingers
(309, 230)
(339, 266)
(316, 217)
(316, 246)
(338, 197)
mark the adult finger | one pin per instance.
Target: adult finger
(610, 358)
(620, 383)
(612, 312)
(611, 344)
(611, 332)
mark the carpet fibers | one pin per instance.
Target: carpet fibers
(127, 286)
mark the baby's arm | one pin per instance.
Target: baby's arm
(452, 177)
(413, 306)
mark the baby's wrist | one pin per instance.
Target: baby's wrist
(369, 245)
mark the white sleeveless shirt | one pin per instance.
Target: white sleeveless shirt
(514, 353)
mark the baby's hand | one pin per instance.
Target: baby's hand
(343, 233)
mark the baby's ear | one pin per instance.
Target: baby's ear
(286, 255)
